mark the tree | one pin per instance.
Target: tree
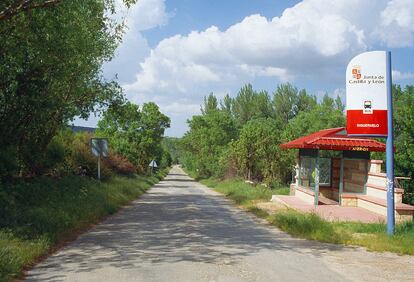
(210, 104)
(255, 153)
(135, 134)
(206, 141)
(322, 116)
(249, 104)
(51, 72)
(404, 137)
(11, 8)
(226, 104)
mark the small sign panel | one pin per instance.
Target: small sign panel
(153, 164)
(366, 94)
(99, 147)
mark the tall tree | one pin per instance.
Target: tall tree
(135, 133)
(210, 104)
(255, 153)
(249, 104)
(51, 72)
(206, 141)
(404, 137)
(11, 8)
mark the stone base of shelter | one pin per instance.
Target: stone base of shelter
(373, 196)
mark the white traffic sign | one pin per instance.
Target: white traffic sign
(153, 164)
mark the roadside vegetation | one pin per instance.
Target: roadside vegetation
(51, 73)
(43, 213)
(237, 139)
(311, 226)
(240, 136)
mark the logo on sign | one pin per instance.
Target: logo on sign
(356, 72)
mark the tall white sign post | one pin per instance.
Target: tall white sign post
(369, 109)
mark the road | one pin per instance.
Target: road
(183, 231)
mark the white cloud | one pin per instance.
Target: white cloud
(397, 75)
(144, 15)
(397, 23)
(314, 40)
(306, 40)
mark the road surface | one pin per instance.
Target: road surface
(183, 231)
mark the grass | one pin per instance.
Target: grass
(37, 216)
(311, 226)
(241, 192)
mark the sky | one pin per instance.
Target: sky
(175, 52)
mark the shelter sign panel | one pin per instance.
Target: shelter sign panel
(366, 94)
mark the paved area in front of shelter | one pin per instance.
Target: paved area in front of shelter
(333, 212)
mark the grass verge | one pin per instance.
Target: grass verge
(311, 226)
(37, 216)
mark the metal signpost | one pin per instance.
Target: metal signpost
(99, 147)
(369, 109)
(390, 154)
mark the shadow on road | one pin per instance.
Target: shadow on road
(177, 220)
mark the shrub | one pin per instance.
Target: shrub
(81, 161)
(119, 164)
(8, 161)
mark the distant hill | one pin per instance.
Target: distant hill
(76, 128)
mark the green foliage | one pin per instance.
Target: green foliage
(249, 104)
(206, 141)
(135, 133)
(172, 145)
(289, 102)
(255, 153)
(239, 191)
(8, 161)
(252, 127)
(404, 137)
(119, 164)
(309, 226)
(51, 72)
(321, 116)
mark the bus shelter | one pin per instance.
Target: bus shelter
(332, 164)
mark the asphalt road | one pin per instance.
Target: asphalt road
(183, 231)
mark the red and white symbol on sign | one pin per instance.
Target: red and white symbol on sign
(356, 72)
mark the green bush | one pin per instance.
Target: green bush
(119, 164)
(8, 162)
(309, 226)
(81, 161)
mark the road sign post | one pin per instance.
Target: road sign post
(99, 147)
(369, 109)
(390, 154)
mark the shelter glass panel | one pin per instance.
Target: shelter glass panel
(307, 175)
(325, 172)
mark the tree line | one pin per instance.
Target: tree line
(51, 55)
(240, 136)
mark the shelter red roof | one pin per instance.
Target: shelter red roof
(335, 139)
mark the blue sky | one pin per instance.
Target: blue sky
(175, 52)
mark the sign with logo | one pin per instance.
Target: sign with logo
(366, 94)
